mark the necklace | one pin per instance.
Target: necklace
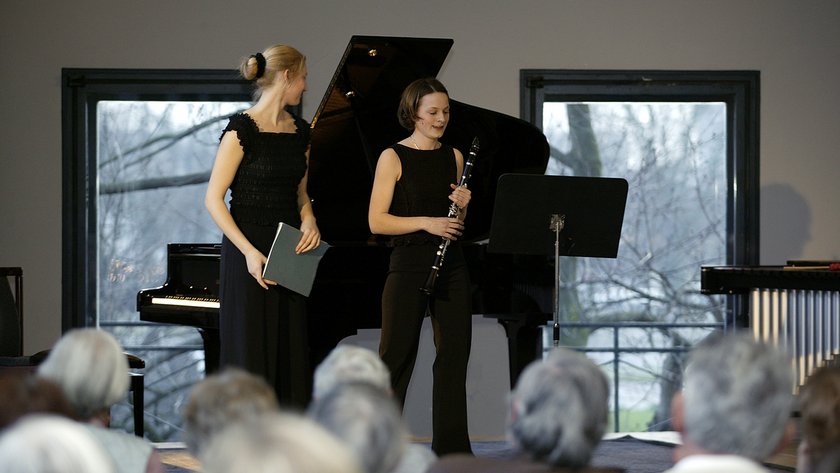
(411, 137)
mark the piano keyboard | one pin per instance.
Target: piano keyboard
(183, 301)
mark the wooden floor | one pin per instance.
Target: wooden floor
(181, 460)
(786, 459)
(636, 452)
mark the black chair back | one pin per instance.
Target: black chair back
(11, 335)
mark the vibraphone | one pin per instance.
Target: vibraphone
(796, 307)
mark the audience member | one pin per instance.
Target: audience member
(557, 417)
(734, 409)
(366, 419)
(350, 363)
(91, 369)
(354, 364)
(24, 393)
(230, 396)
(40, 443)
(277, 443)
(819, 405)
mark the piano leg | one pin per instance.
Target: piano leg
(524, 336)
(210, 337)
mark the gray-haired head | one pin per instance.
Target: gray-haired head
(90, 367)
(350, 364)
(278, 443)
(819, 407)
(737, 396)
(365, 418)
(230, 396)
(559, 409)
(40, 443)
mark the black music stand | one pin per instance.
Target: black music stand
(560, 215)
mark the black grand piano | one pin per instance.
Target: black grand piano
(355, 121)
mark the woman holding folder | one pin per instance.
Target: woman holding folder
(262, 158)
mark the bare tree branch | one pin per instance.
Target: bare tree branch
(154, 183)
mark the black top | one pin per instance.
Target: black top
(423, 188)
(264, 189)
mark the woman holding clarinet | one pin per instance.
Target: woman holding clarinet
(413, 190)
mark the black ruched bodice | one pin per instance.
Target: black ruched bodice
(264, 189)
(423, 188)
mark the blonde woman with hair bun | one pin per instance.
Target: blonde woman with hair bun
(277, 58)
(262, 159)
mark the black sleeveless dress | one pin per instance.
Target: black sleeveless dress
(264, 331)
(423, 190)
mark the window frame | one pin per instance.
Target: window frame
(738, 89)
(81, 90)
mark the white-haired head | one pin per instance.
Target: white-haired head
(350, 364)
(41, 443)
(90, 367)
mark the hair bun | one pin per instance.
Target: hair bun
(260, 64)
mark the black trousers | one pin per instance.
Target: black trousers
(404, 307)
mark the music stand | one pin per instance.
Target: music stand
(561, 215)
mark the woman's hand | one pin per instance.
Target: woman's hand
(256, 261)
(311, 237)
(460, 195)
(446, 227)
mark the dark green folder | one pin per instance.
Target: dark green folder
(290, 270)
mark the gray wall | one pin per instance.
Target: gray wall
(794, 44)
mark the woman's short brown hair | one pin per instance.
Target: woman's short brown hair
(410, 100)
(819, 404)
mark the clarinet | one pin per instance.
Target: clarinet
(454, 210)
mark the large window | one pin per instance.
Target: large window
(138, 150)
(686, 142)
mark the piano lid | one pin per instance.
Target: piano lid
(357, 119)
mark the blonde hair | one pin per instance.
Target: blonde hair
(221, 399)
(278, 443)
(278, 58)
